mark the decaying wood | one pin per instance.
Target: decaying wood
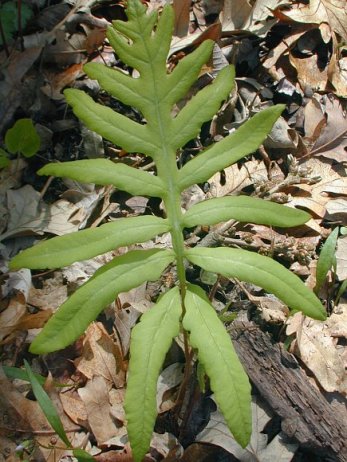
(306, 414)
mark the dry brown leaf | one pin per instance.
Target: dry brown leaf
(74, 406)
(58, 81)
(117, 404)
(341, 258)
(168, 381)
(234, 14)
(235, 178)
(282, 48)
(318, 350)
(332, 12)
(12, 315)
(18, 413)
(315, 197)
(338, 320)
(316, 80)
(332, 142)
(95, 396)
(182, 10)
(314, 119)
(337, 73)
(101, 356)
(51, 296)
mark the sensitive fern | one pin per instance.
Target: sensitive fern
(143, 43)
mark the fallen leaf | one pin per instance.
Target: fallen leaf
(51, 296)
(234, 14)
(322, 11)
(216, 432)
(316, 80)
(315, 197)
(332, 142)
(101, 356)
(168, 381)
(182, 11)
(18, 413)
(341, 258)
(95, 396)
(74, 406)
(234, 179)
(317, 349)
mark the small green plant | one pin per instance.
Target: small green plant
(51, 413)
(143, 43)
(10, 21)
(22, 138)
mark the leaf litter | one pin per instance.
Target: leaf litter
(313, 131)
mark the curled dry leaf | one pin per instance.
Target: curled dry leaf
(317, 348)
(323, 11)
(95, 396)
(341, 258)
(51, 296)
(101, 356)
(331, 181)
(216, 432)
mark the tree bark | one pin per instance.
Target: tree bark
(307, 416)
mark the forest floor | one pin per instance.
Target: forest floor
(284, 52)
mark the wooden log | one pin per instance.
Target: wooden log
(307, 416)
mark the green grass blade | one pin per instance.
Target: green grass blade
(106, 172)
(201, 108)
(115, 127)
(231, 149)
(81, 245)
(120, 275)
(326, 259)
(245, 209)
(262, 271)
(17, 373)
(229, 382)
(150, 341)
(46, 405)
(82, 455)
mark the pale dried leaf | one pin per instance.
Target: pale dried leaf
(216, 432)
(168, 381)
(332, 142)
(182, 9)
(316, 80)
(341, 258)
(234, 14)
(332, 12)
(17, 412)
(337, 322)
(73, 406)
(314, 197)
(101, 356)
(236, 179)
(96, 400)
(317, 349)
(12, 315)
(51, 296)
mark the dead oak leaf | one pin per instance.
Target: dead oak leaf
(314, 197)
(332, 12)
(101, 356)
(95, 396)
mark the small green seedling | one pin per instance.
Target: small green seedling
(143, 42)
(23, 139)
(327, 259)
(52, 416)
(9, 20)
